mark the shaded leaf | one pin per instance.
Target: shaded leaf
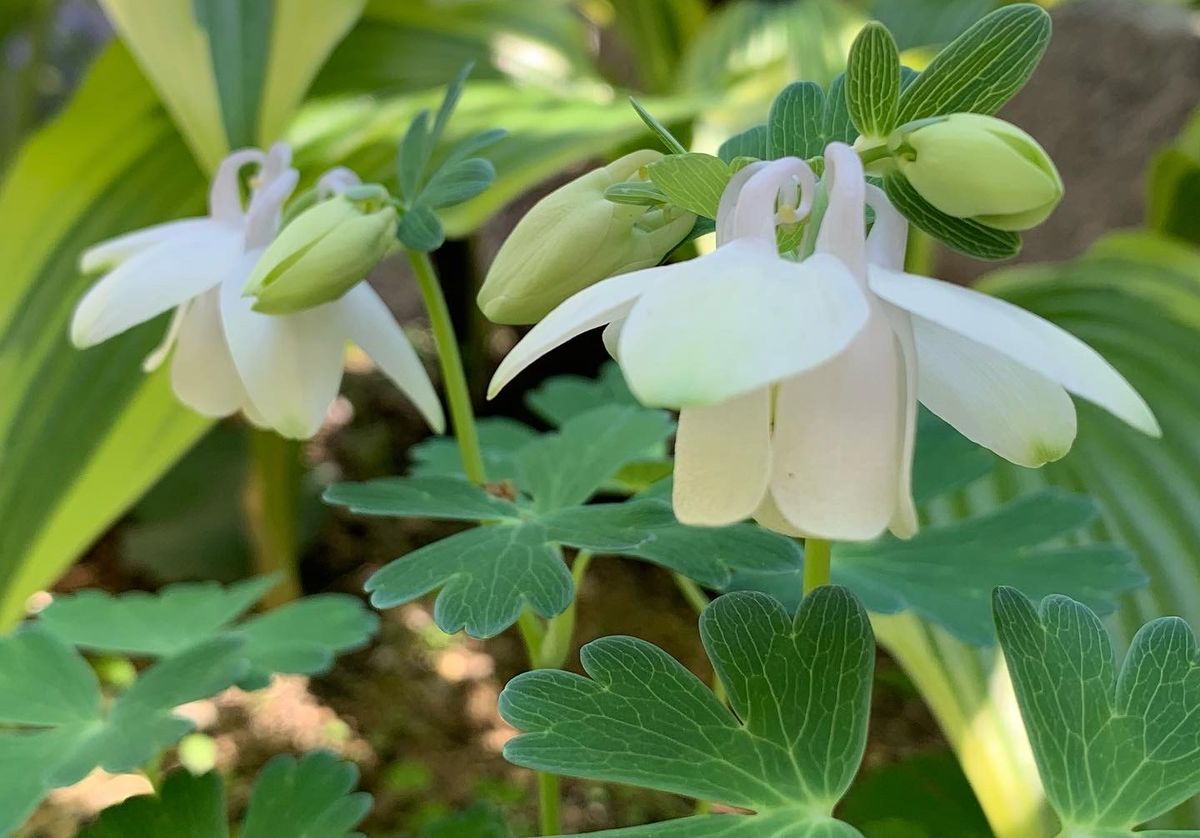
(499, 437)
(446, 498)
(800, 690)
(185, 806)
(596, 444)
(457, 182)
(753, 142)
(479, 821)
(307, 798)
(962, 234)
(420, 229)
(564, 397)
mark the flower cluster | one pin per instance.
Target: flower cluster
(281, 371)
(797, 382)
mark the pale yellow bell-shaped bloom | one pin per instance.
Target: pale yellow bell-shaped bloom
(575, 237)
(979, 167)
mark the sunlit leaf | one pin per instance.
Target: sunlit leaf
(873, 81)
(787, 750)
(1114, 748)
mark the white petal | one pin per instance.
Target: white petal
(595, 306)
(843, 227)
(108, 254)
(904, 521)
(729, 198)
(992, 400)
(736, 320)
(1024, 337)
(291, 365)
(837, 447)
(225, 194)
(370, 324)
(754, 213)
(723, 460)
(768, 515)
(153, 281)
(612, 339)
(202, 371)
(887, 243)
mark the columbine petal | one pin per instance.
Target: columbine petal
(291, 364)
(1024, 337)
(836, 446)
(722, 460)
(737, 320)
(904, 522)
(202, 371)
(592, 307)
(370, 324)
(992, 400)
(154, 280)
(109, 254)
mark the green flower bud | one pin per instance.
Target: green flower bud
(575, 237)
(979, 167)
(324, 252)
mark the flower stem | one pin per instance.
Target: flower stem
(548, 795)
(462, 418)
(817, 560)
(270, 504)
(458, 396)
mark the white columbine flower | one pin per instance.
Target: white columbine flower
(797, 383)
(282, 371)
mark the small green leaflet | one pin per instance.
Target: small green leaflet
(1114, 748)
(457, 178)
(311, 796)
(692, 181)
(873, 81)
(499, 437)
(753, 142)
(796, 123)
(566, 396)
(301, 637)
(487, 574)
(962, 234)
(982, 68)
(57, 728)
(659, 130)
(799, 692)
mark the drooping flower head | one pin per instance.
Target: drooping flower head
(282, 372)
(797, 381)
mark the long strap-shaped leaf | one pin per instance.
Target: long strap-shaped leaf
(1136, 298)
(231, 72)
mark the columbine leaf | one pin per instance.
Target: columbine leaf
(946, 573)
(138, 623)
(1114, 749)
(753, 142)
(692, 181)
(454, 183)
(564, 397)
(301, 637)
(56, 729)
(983, 67)
(837, 124)
(487, 576)
(307, 798)
(795, 126)
(419, 229)
(799, 691)
(499, 438)
(445, 498)
(412, 156)
(873, 81)
(673, 145)
(184, 807)
(962, 234)
(595, 445)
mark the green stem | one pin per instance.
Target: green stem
(462, 417)
(560, 630)
(817, 561)
(691, 592)
(548, 796)
(271, 507)
(874, 154)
